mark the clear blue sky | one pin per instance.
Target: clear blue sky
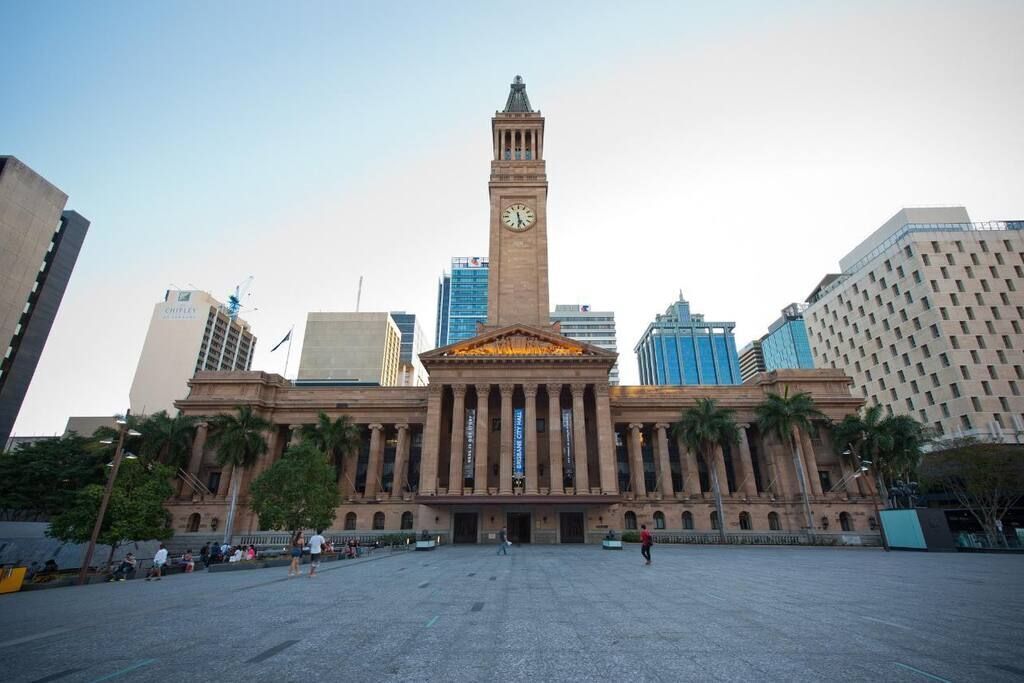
(212, 141)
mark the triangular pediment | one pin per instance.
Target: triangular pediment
(518, 342)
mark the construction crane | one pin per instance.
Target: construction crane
(235, 300)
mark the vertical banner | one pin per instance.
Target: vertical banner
(518, 446)
(567, 455)
(468, 460)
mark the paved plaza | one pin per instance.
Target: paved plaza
(543, 613)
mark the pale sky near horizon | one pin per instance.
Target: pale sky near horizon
(732, 150)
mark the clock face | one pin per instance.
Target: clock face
(518, 217)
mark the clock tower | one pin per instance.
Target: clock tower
(518, 278)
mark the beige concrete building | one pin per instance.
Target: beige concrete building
(351, 348)
(596, 328)
(39, 245)
(520, 428)
(189, 332)
(751, 360)
(926, 318)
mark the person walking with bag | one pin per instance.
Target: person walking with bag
(503, 542)
(646, 541)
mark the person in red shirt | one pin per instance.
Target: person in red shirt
(646, 541)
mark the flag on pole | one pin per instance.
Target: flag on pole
(286, 338)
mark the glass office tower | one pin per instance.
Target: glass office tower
(786, 345)
(461, 299)
(683, 348)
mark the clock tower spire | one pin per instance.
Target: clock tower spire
(518, 277)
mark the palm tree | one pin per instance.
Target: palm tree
(890, 447)
(336, 438)
(239, 442)
(785, 417)
(167, 439)
(704, 428)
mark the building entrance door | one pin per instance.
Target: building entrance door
(519, 527)
(465, 527)
(571, 524)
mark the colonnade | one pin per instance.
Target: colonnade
(524, 140)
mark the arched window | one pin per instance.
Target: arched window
(350, 521)
(659, 520)
(378, 520)
(745, 521)
(773, 521)
(630, 520)
(193, 523)
(406, 520)
(687, 520)
(845, 522)
(714, 519)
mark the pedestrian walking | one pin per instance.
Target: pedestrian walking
(646, 541)
(296, 548)
(503, 542)
(204, 554)
(159, 560)
(316, 544)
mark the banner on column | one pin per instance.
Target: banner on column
(469, 457)
(567, 455)
(518, 446)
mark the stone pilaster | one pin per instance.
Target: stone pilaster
(483, 432)
(401, 460)
(662, 460)
(747, 483)
(691, 471)
(455, 478)
(605, 441)
(198, 446)
(225, 481)
(530, 426)
(505, 480)
(431, 441)
(723, 477)
(810, 464)
(555, 438)
(636, 461)
(579, 438)
(375, 466)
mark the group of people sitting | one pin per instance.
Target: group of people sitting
(213, 554)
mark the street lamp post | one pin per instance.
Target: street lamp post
(864, 466)
(122, 430)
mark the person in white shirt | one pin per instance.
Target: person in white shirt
(316, 543)
(236, 556)
(159, 560)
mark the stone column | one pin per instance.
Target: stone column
(747, 483)
(294, 435)
(636, 461)
(605, 441)
(431, 441)
(198, 446)
(691, 472)
(401, 460)
(579, 439)
(505, 480)
(810, 464)
(376, 462)
(775, 456)
(455, 478)
(225, 481)
(497, 147)
(483, 431)
(555, 438)
(723, 477)
(530, 426)
(663, 462)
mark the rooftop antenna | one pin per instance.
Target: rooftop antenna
(359, 293)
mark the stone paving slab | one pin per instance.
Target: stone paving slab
(543, 613)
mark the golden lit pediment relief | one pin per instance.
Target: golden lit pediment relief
(517, 345)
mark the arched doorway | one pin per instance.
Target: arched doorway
(193, 523)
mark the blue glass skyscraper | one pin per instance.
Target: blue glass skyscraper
(786, 344)
(682, 348)
(461, 299)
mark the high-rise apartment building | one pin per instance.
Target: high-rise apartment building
(39, 245)
(680, 347)
(189, 331)
(410, 369)
(592, 327)
(751, 360)
(351, 348)
(926, 318)
(461, 299)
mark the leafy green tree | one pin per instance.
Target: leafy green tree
(296, 492)
(987, 479)
(337, 438)
(785, 417)
(40, 479)
(890, 447)
(136, 510)
(240, 441)
(167, 439)
(704, 428)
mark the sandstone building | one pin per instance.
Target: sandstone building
(519, 425)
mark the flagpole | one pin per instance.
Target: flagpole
(288, 355)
